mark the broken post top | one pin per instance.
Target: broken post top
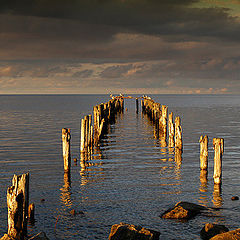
(66, 131)
(218, 141)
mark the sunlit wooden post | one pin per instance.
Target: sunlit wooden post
(17, 202)
(163, 120)
(203, 152)
(66, 148)
(218, 145)
(86, 118)
(83, 128)
(170, 130)
(178, 133)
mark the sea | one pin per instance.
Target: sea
(132, 177)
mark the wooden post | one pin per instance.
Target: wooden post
(31, 213)
(66, 149)
(82, 147)
(178, 133)
(86, 118)
(136, 105)
(203, 152)
(163, 120)
(17, 202)
(170, 130)
(218, 152)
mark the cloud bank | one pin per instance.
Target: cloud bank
(160, 46)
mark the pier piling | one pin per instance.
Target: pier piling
(17, 202)
(203, 152)
(218, 145)
(66, 149)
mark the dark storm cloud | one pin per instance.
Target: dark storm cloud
(157, 44)
(157, 17)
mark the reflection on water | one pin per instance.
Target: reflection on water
(203, 180)
(217, 196)
(203, 188)
(88, 162)
(65, 190)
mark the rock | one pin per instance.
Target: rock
(234, 198)
(183, 210)
(39, 236)
(210, 230)
(124, 231)
(231, 235)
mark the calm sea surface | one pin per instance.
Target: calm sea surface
(132, 178)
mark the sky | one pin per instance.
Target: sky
(113, 46)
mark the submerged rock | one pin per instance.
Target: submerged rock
(183, 210)
(210, 230)
(231, 235)
(124, 231)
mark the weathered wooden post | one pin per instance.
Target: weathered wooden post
(136, 105)
(66, 149)
(218, 145)
(178, 133)
(170, 130)
(86, 118)
(17, 202)
(203, 152)
(142, 103)
(83, 128)
(163, 120)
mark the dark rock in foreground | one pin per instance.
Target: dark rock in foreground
(124, 231)
(231, 235)
(183, 210)
(210, 230)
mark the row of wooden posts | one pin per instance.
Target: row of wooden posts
(159, 115)
(218, 145)
(92, 131)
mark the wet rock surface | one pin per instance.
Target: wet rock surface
(183, 210)
(125, 231)
(210, 230)
(231, 235)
